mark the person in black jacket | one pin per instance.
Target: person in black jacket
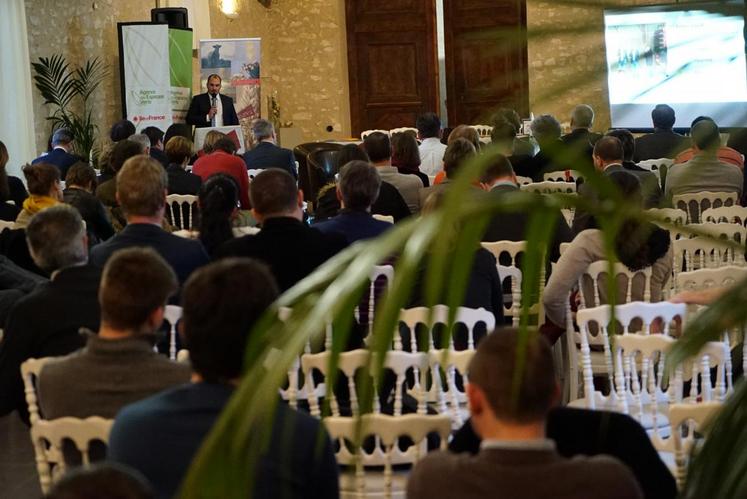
(267, 154)
(212, 108)
(179, 152)
(80, 184)
(11, 189)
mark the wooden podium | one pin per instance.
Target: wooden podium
(234, 132)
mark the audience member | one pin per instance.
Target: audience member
(637, 246)
(101, 481)
(725, 154)
(118, 365)
(581, 136)
(45, 322)
(522, 146)
(277, 207)
(515, 450)
(406, 156)
(457, 154)
(379, 150)
(219, 205)
(160, 435)
(431, 149)
(357, 189)
(141, 191)
(107, 190)
(465, 132)
(143, 140)
(61, 154)
(121, 130)
(221, 159)
(208, 144)
(11, 189)
(45, 190)
(652, 194)
(80, 184)
(553, 155)
(267, 154)
(704, 172)
(663, 142)
(155, 136)
(178, 153)
(178, 130)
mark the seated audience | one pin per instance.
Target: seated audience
(179, 130)
(107, 190)
(705, 172)
(121, 130)
(431, 149)
(515, 450)
(159, 436)
(663, 142)
(101, 481)
(522, 146)
(357, 189)
(581, 137)
(289, 247)
(45, 322)
(61, 154)
(725, 154)
(221, 159)
(141, 191)
(406, 157)
(219, 205)
(379, 150)
(143, 140)
(267, 154)
(80, 184)
(652, 194)
(155, 136)
(459, 152)
(461, 132)
(178, 154)
(118, 365)
(637, 246)
(11, 189)
(45, 190)
(553, 155)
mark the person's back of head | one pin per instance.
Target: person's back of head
(582, 116)
(104, 480)
(359, 185)
(428, 125)
(348, 153)
(608, 150)
(274, 193)
(545, 129)
(705, 135)
(218, 198)
(378, 147)
(41, 178)
(121, 130)
(465, 132)
(698, 119)
(222, 302)
(154, 134)
(506, 114)
(663, 117)
(177, 130)
(211, 138)
(57, 238)
(503, 134)
(141, 187)
(62, 137)
(456, 154)
(511, 381)
(123, 151)
(262, 130)
(135, 284)
(627, 140)
(81, 175)
(499, 168)
(405, 153)
(225, 144)
(179, 150)
(142, 140)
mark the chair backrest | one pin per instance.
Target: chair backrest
(654, 165)
(366, 133)
(483, 130)
(172, 315)
(439, 314)
(30, 370)
(728, 214)
(50, 436)
(695, 203)
(729, 231)
(300, 152)
(562, 176)
(253, 172)
(181, 210)
(523, 180)
(404, 129)
(451, 400)
(549, 187)
(701, 252)
(380, 279)
(384, 218)
(5, 225)
(698, 418)
(598, 272)
(322, 167)
(670, 215)
(387, 431)
(697, 280)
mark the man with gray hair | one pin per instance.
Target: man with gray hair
(266, 153)
(46, 322)
(357, 189)
(143, 141)
(581, 136)
(61, 154)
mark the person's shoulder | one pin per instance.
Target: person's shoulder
(153, 406)
(56, 369)
(238, 246)
(435, 467)
(607, 472)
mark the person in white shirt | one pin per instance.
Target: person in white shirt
(212, 109)
(431, 148)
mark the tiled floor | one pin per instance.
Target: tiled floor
(18, 479)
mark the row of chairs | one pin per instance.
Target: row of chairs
(483, 131)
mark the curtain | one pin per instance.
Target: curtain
(16, 108)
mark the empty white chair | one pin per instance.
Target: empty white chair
(695, 203)
(4, 225)
(670, 215)
(366, 133)
(728, 231)
(701, 252)
(253, 172)
(523, 180)
(30, 370)
(698, 418)
(548, 187)
(378, 273)
(698, 280)
(451, 400)
(483, 131)
(384, 218)
(563, 176)
(726, 214)
(172, 315)
(654, 165)
(175, 205)
(48, 437)
(403, 129)
(439, 314)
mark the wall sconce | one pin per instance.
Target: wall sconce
(230, 8)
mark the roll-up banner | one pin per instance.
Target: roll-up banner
(156, 73)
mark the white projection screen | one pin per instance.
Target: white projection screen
(690, 56)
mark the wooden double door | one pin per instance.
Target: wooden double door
(393, 63)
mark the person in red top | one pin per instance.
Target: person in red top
(223, 160)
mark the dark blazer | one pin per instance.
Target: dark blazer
(92, 211)
(652, 193)
(354, 225)
(181, 181)
(581, 140)
(660, 144)
(200, 106)
(159, 156)
(586, 432)
(290, 248)
(184, 255)
(61, 159)
(45, 323)
(390, 202)
(17, 193)
(268, 155)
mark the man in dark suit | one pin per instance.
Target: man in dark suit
(581, 138)
(652, 194)
(664, 142)
(266, 154)
(290, 248)
(553, 155)
(45, 322)
(60, 156)
(212, 108)
(141, 192)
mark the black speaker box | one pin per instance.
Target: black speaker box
(176, 17)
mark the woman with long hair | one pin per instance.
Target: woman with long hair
(219, 199)
(11, 189)
(45, 190)
(406, 156)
